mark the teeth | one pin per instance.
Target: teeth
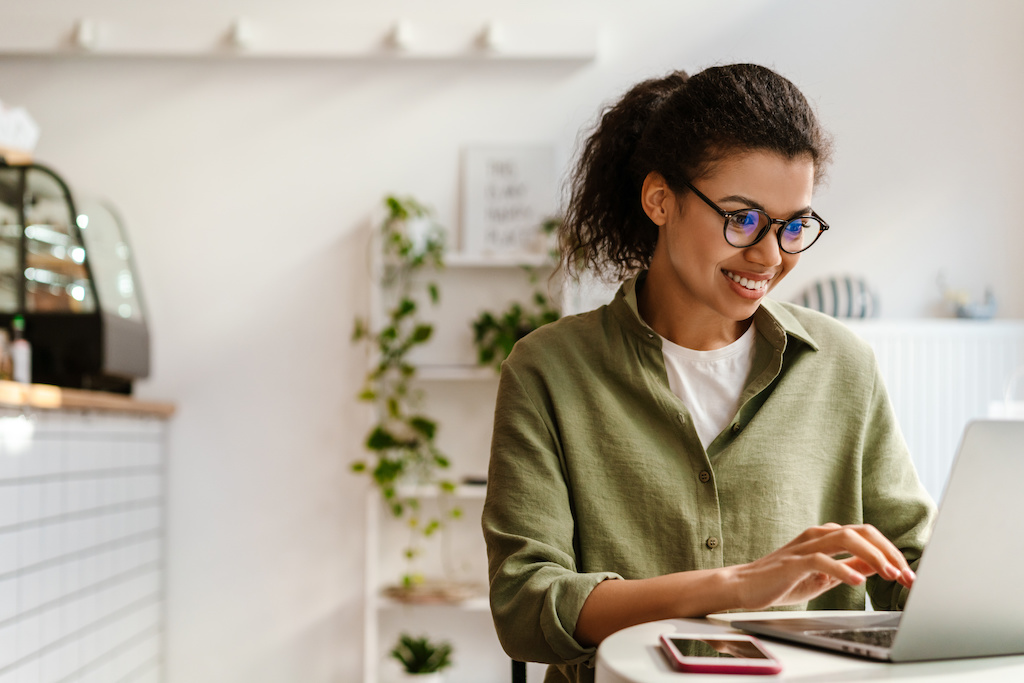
(754, 285)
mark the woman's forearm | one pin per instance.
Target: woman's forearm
(616, 604)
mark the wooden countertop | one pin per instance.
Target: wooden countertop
(46, 397)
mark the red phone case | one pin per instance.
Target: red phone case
(711, 665)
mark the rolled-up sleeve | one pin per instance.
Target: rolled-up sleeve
(536, 592)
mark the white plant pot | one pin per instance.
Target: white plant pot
(419, 231)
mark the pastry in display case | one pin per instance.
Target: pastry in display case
(66, 269)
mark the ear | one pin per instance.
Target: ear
(657, 198)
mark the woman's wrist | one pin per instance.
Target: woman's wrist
(736, 580)
(704, 592)
(728, 589)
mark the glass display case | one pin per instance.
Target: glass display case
(67, 269)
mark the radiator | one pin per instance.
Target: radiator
(940, 374)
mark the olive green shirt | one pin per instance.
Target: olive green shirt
(597, 473)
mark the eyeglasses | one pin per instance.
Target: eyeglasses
(747, 227)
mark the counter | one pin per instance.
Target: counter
(46, 397)
(82, 519)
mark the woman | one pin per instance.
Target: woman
(693, 447)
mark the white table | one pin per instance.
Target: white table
(633, 656)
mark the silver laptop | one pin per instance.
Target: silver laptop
(968, 598)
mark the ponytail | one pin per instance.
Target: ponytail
(605, 187)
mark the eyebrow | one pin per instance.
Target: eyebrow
(750, 203)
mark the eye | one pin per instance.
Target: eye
(795, 232)
(746, 223)
(796, 227)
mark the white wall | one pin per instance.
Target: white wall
(248, 186)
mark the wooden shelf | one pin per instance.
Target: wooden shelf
(477, 604)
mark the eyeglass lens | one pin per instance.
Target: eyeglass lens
(744, 228)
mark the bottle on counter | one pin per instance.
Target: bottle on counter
(21, 352)
(5, 355)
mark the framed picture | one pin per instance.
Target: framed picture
(507, 192)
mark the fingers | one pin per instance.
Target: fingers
(874, 552)
(839, 570)
(817, 560)
(858, 565)
(892, 553)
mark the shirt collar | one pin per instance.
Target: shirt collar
(774, 313)
(772, 318)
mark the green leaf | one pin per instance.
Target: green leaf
(405, 307)
(385, 474)
(394, 409)
(381, 440)
(423, 425)
(395, 208)
(359, 466)
(422, 333)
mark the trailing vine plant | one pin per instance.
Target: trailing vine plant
(401, 443)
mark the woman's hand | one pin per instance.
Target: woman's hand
(807, 566)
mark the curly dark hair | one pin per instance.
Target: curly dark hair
(678, 126)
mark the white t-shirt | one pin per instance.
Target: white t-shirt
(709, 383)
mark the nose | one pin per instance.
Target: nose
(766, 252)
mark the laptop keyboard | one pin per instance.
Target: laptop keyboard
(881, 637)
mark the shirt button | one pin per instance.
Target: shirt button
(711, 543)
(736, 428)
(704, 476)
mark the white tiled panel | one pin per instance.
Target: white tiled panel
(81, 548)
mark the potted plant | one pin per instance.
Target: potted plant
(494, 334)
(422, 660)
(401, 443)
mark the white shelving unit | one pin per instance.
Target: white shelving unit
(460, 396)
(466, 624)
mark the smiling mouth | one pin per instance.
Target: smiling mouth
(752, 285)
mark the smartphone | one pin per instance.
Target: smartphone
(719, 653)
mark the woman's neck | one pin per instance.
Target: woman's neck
(681, 321)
